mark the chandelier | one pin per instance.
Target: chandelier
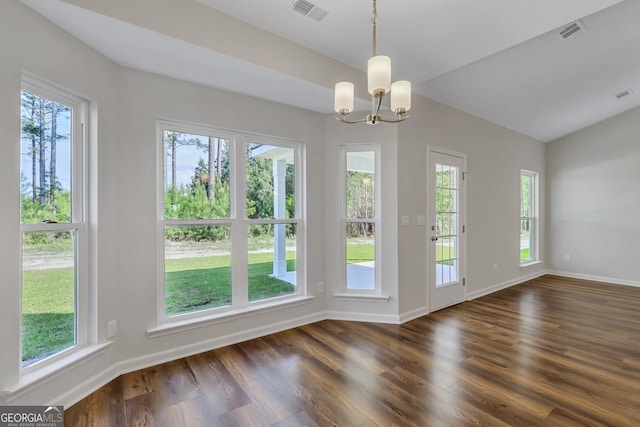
(379, 84)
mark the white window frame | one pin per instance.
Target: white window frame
(376, 220)
(79, 213)
(238, 222)
(533, 216)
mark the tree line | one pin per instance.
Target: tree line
(207, 193)
(45, 124)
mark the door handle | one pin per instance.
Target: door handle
(434, 238)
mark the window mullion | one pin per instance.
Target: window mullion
(239, 228)
(239, 264)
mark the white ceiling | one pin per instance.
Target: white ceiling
(501, 60)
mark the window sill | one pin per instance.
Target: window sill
(39, 374)
(530, 263)
(174, 327)
(361, 297)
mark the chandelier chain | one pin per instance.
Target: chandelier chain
(374, 18)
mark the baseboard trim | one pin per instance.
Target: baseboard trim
(612, 280)
(92, 384)
(504, 285)
(362, 317)
(83, 389)
(414, 314)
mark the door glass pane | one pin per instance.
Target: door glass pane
(48, 294)
(272, 260)
(197, 268)
(270, 180)
(45, 166)
(446, 224)
(196, 176)
(361, 253)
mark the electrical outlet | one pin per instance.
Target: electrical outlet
(320, 287)
(112, 328)
(567, 257)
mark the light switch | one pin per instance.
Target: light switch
(421, 220)
(404, 220)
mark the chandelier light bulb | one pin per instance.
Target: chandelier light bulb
(401, 96)
(379, 74)
(344, 95)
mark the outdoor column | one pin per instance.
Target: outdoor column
(279, 212)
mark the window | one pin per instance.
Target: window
(360, 221)
(52, 222)
(230, 219)
(528, 217)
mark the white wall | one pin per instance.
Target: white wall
(126, 104)
(385, 135)
(495, 156)
(30, 43)
(594, 200)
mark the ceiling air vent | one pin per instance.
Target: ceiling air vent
(624, 93)
(572, 30)
(309, 10)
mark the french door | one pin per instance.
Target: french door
(446, 228)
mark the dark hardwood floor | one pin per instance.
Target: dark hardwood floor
(549, 352)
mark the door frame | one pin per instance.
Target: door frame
(462, 232)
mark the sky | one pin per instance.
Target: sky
(63, 153)
(187, 156)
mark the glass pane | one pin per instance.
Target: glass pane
(361, 255)
(360, 185)
(197, 268)
(45, 166)
(272, 260)
(270, 181)
(525, 195)
(446, 246)
(525, 240)
(48, 294)
(196, 176)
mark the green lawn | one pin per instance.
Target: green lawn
(445, 254)
(360, 252)
(192, 284)
(47, 312)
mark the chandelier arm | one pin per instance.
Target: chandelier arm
(349, 122)
(398, 120)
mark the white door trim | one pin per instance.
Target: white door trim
(453, 295)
